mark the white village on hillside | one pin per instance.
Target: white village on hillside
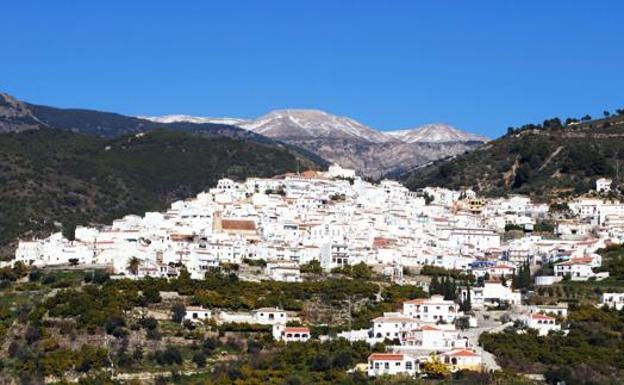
(335, 219)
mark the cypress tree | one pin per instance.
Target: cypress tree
(434, 286)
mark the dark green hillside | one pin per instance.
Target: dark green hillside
(546, 161)
(49, 176)
(110, 124)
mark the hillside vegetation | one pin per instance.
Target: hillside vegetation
(546, 161)
(52, 179)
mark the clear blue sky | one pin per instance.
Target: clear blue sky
(479, 65)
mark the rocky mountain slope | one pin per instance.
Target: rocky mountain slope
(435, 133)
(15, 116)
(352, 144)
(547, 161)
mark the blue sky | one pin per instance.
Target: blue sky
(479, 65)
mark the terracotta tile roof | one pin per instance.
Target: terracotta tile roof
(462, 353)
(541, 316)
(296, 330)
(417, 301)
(393, 319)
(381, 242)
(429, 327)
(576, 261)
(385, 357)
(238, 224)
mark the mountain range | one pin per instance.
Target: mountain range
(350, 143)
(311, 133)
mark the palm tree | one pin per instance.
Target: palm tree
(133, 265)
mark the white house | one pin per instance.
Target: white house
(269, 316)
(392, 326)
(291, 333)
(197, 313)
(284, 271)
(559, 310)
(492, 293)
(429, 337)
(578, 269)
(335, 171)
(542, 323)
(603, 184)
(434, 309)
(380, 364)
(462, 359)
(612, 300)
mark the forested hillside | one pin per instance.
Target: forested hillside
(52, 179)
(549, 160)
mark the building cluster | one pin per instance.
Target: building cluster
(336, 219)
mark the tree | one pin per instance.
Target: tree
(199, 359)
(434, 285)
(435, 368)
(606, 113)
(314, 267)
(69, 231)
(178, 311)
(466, 305)
(361, 271)
(133, 265)
(151, 295)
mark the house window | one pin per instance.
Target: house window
(386, 365)
(408, 365)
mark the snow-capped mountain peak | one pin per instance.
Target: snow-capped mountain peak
(312, 123)
(435, 133)
(317, 124)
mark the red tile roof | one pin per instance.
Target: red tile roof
(541, 316)
(385, 357)
(462, 353)
(238, 224)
